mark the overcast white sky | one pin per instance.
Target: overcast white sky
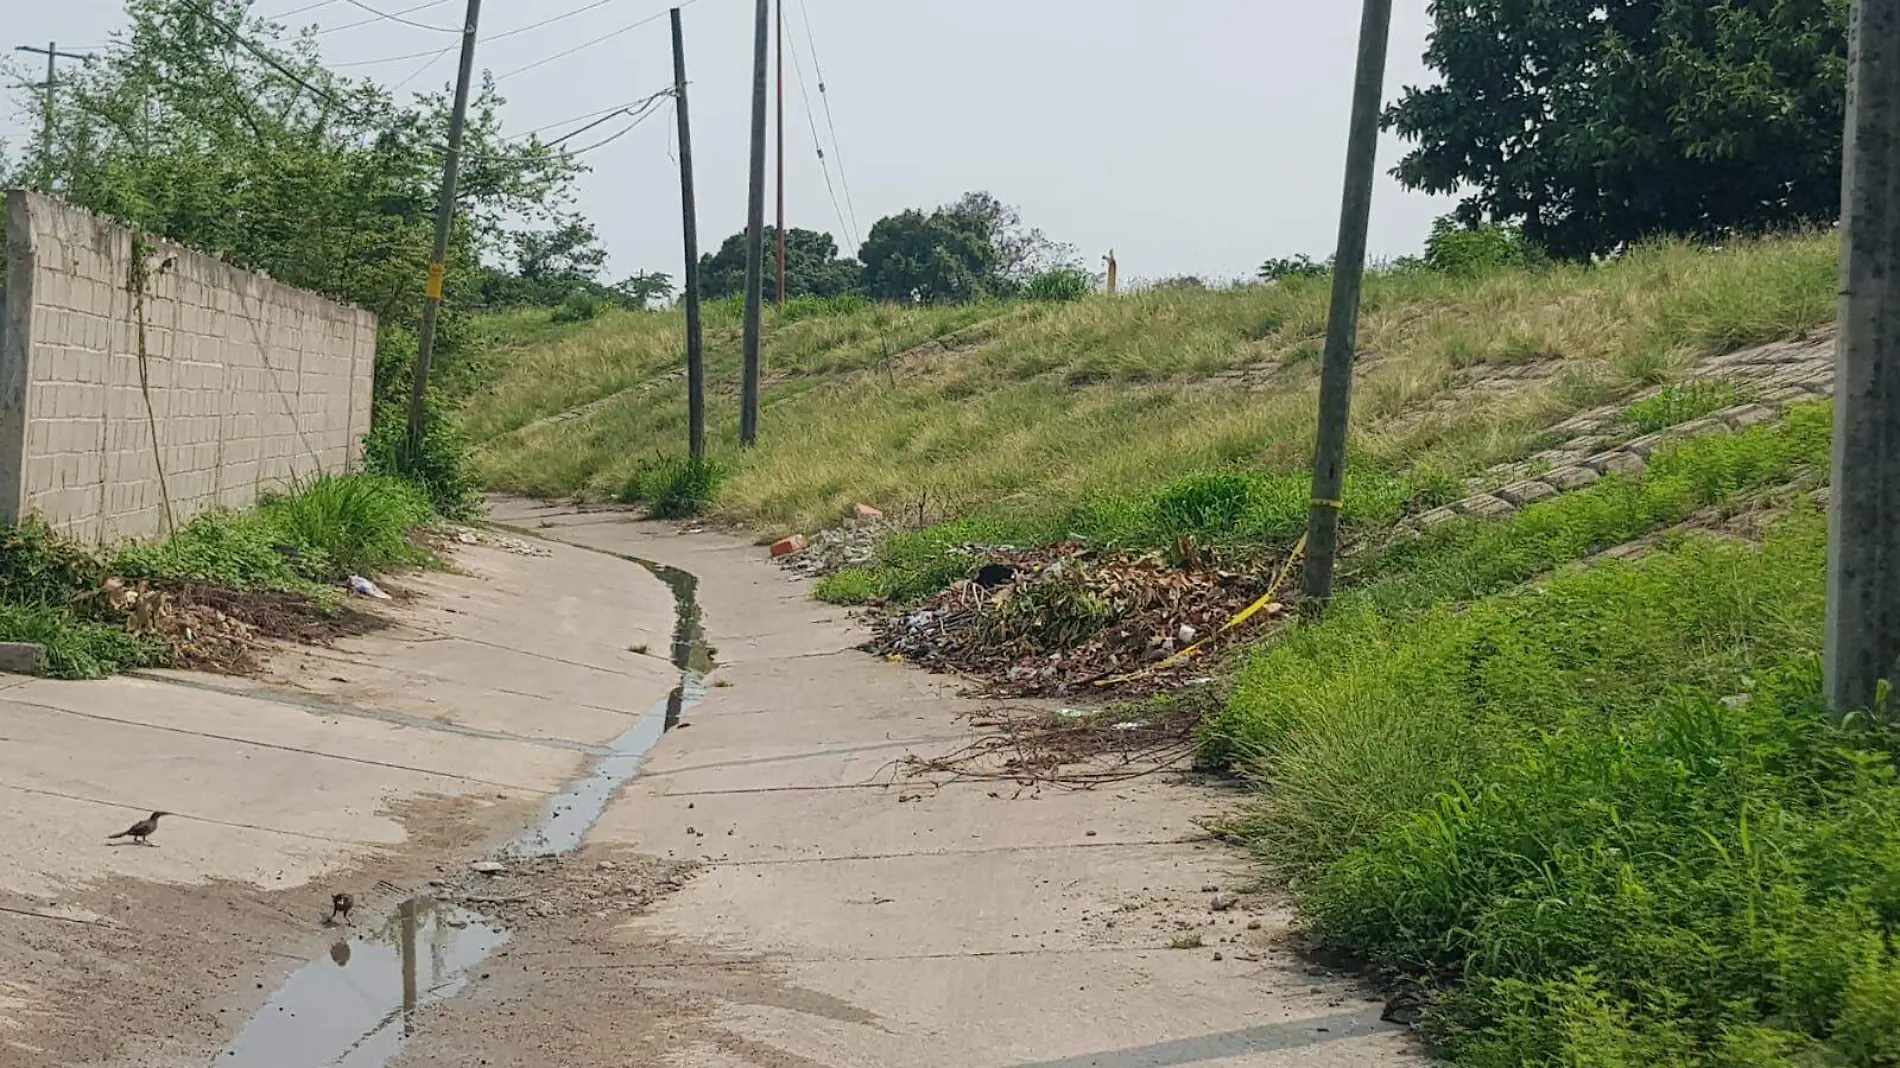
(1193, 137)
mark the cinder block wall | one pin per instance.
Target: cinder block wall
(238, 385)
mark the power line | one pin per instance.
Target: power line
(397, 17)
(420, 71)
(519, 30)
(300, 10)
(811, 119)
(610, 35)
(811, 40)
(328, 30)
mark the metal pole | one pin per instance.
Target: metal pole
(1342, 324)
(1863, 576)
(689, 225)
(755, 233)
(49, 103)
(779, 290)
(444, 220)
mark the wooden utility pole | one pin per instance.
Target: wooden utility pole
(444, 220)
(49, 102)
(689, 226)
(1863, 559)
(755, 233)
(1342, 323)
(779, 290)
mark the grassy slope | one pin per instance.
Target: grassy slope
(1045, 407)
(1601, 806)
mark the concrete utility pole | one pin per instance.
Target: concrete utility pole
(1342, 324)
(444, 220)
(1863, 560)
(689, 225)
(779, 290)
(49, 102)
(755, 233)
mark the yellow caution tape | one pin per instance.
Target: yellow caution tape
(1254, 609)
(434, 289)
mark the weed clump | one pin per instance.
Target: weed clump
(674, 487)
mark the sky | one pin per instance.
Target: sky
(1195, 137)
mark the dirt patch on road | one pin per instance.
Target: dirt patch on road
(100, 974)
(579, 986)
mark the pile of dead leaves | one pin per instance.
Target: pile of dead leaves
(1067, 620)
(210, 628)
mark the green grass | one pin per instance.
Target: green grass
(1041, 408)
(1465, 559)
(1678, 404)
(302, 543)
(1605, 812)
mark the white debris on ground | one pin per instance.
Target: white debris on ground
(836, 549)
(474, 536)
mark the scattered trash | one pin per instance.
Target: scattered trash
(1067, 619)
(1130, 725)
(1072, 713)
(363, 587)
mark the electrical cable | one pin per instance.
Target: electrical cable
(300, 10)
(824, 165)
(328, 30)
(419, 71)
(610, 35)
(844, 179)
(396, 17)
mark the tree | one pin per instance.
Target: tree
(940, 258)
(1595, 124)
(643, 289)
(561, 256)
(812, 267)
(1022, 252)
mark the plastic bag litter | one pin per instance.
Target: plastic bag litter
(363, 587)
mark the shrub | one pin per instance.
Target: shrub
(674, 487)
(851, 586)
(445, 468)
(1062, 285)
(236, 550)
(580, 305)
(1459, 249)
(38, 566)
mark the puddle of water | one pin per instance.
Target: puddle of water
(569, 815)
(354, 1006)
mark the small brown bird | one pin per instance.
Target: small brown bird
(340, 905)
(141, 830)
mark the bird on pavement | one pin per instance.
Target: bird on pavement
(141, 830)
(340, 905)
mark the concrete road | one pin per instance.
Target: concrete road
(847, 916)
(370, 767)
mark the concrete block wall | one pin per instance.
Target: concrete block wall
(238, 385)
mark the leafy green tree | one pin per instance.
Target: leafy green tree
(940, 258)
(1457, 248)
(1297, 266)
(643, 289)
(1596, 123)
(812, 267)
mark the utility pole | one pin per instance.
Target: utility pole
(755, 233)
(1863, 559)
(1342, 324)
(50, 100)
(779, 290)
(689, 225)
(444, 220)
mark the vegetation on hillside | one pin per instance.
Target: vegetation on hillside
(1026, 412)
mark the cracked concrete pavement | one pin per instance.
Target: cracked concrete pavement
(832, 923)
